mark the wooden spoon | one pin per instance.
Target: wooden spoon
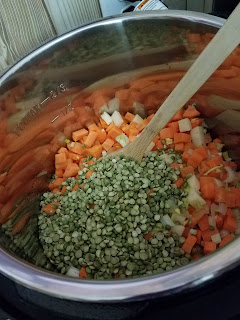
(224, 42)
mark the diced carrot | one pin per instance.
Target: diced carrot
(196, 122)
(155, 139)
(184, 171)
(76, 147)
(219, 222)
(149, 118)
(159, 145)
(199, 236)
(74, 156)
(60, 158)
(56, 190)
(95, 151)
(64, 189)
(21, 223)
(93, 127)
(148, 236)
(209, 247)
(103, 124)
(131, 138)
(114, 132)
(179, 147)
(71, 170)
(179, 182)
(75, 188)
(220, 195)
(189, 243)
(174, 125)
(189, 146)
(196, 216)
(59, 173)
(133, 132)
(78, 135)
(203, 223)
(214, 162)
(182, 137)
(129, 117)
(208, 187)
(89, 173)
(142, 125)
(178, 116)
(51, 207)
(126, 129)
(63, 150)
(185, 156)
(167, 133)
(230, 223)
(186, 232)
(228, 238)
(206, 234)
(108, 143)
(91, 138)
(83, 273)
(191, 112)
(196, 256)
(191, 210)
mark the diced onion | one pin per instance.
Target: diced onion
(223, 233)
(104, 108)
(166, 220)
(137, 119)
(106, 117)
(122, 139)
(195, 200)
(167, 158)
(197, 135)
(178, 217)
(117, 118)
(212, 221)
(216, 238)
(194, 183)
(231, 175)
(73, 272)
(184, 125)
(218, 182)
(113, 105)
(149, 148)
(222, 208)
(178, 230)
(104, 153)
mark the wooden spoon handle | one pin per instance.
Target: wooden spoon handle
(225, 41)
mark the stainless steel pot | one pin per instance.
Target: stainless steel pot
(78, 59)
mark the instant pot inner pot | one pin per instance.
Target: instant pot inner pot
(39, 89)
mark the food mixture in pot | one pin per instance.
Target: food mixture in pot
(110, 218)
(116, 218)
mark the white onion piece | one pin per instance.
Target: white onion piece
(104, 153)
(184, 125)
(113, 105)
(166, 158)
(223, 233)
(195, 200)
(73, 272)
(197, 135)
(149, 148)
(137, 119)
(216, 238)
(122, 139)
(178, 230)
(212, 221)
(222, 208)
(117, 118)
(104, 108)
(106, 117)
(43, 173)
(194, 183)
(231, 175)
(166, 220)
(178, 217)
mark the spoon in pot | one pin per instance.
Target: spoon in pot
(224, 42)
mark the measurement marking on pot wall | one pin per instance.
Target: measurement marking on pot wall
(64, 111)
(37, 108)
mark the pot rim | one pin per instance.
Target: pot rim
(179, 280)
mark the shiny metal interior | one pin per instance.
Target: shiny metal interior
(75, 61)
